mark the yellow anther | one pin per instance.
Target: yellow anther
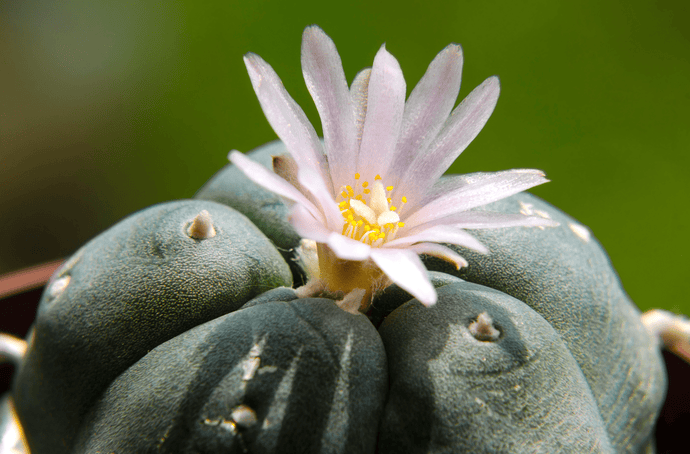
(389, 199)
(377, 177)
(404, 199)
(401, 224)
(393, 208)
(360, 222)
(344, 194)
(365, 184)
(367, 191)
(382, 236)
(350, 192)
(350, 218)
(342, 204)
(353, 223)
(389, 188)
(359, 197)
(367, 228)
(356, 176)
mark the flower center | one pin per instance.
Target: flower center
(368, 214)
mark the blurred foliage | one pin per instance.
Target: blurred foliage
(108, 107)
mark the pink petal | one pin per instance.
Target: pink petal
(385, 106)
(323, 73)
(461, 128)
(359, 92)
(269, 180)
(406, 269)
(440, 251)
(428, 107)
(343, 247)
(483, 189)
(306, 225)
(348, 249)
(316, 186)
(286, 117)
(484, 220)
(439, 234)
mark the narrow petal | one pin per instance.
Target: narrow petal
(486, 188)
(313, 183)
(440, 251)
(286, 117)
(348, 249)
(484, 220)
(428, 107)
(385, 106)
(307, 226)
(460, 129)
(439, 234)
(269, 180)
(343, 247)
(406, 269)
(325, 79)
(359, 92)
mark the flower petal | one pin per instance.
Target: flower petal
(359, 91)
(269, 180)
(484, 220)
(306, 225)
(343, 247)
(439, 234)
(286, 117)
(385, 106)
(428, 107)
(406, 269)
(348, 249)
(317, 187)
(482, 189)
(440, 251)
(325, 78)
(460, 129)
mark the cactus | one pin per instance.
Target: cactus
(178, 330)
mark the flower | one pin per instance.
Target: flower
(370, 194)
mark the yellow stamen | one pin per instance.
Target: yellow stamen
(359, 197)
(350, 192)
(389, 188)
(393, 208)
(344, 194)
(365, 184)
(404, 199)
(401, 224)
(367, 228)
(367, 191)
(356, 176)
(381, 236)
(389, 200)
(342, 204)
(377, 177)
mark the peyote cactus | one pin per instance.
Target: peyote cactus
(221, 324)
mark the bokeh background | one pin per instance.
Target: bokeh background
(108, 107)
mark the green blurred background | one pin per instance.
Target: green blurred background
(108, 107)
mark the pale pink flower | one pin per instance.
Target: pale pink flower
(370, 194)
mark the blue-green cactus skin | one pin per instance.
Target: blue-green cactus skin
(314, 375)
(133, 287)
(450, 392)
(564, 274)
